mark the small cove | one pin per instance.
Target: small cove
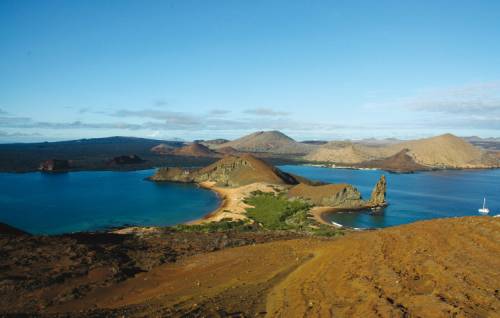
(412, 197)
(42, 203)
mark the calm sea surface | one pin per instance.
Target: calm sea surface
(413, 197)
(81, 201)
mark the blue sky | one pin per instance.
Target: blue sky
(205, 69)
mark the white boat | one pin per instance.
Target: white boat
(484, 209)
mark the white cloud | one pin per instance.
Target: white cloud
(471, 106)
(265, 112)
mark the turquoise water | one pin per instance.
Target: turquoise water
(413, 197)
(81, 201)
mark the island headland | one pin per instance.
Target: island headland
(235, 178)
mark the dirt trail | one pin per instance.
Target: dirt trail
(442, 268)
(229, 281)
(439, 268)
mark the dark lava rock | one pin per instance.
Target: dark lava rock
(58, 269)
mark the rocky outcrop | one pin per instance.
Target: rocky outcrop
(232, 171)
(343, 196)
(174, 174)
(377, 198)
(340, 196)
(54, 165)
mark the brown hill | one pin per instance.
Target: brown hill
(269, 141)
(231, 171)
(445, 151)
(194, 150)
(346, 152)
(400, 162)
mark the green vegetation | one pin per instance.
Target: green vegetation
(222, 226)
(270, 211)
(277, 212)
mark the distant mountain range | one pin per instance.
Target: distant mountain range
(445, 151)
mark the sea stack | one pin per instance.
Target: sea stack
(378, 193)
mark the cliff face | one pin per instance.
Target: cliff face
(378, 194)
(343, 196)
(340, 196)
(174, 174)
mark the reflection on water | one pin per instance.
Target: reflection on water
(413, 197)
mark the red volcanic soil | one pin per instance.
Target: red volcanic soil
(437, 268)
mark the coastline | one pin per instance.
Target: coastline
(222, 205)
(232, 205)
(319, 212)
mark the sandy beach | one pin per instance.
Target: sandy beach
(318, 213)
(232, 205)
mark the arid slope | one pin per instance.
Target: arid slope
(439, 268)
(445, 151)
